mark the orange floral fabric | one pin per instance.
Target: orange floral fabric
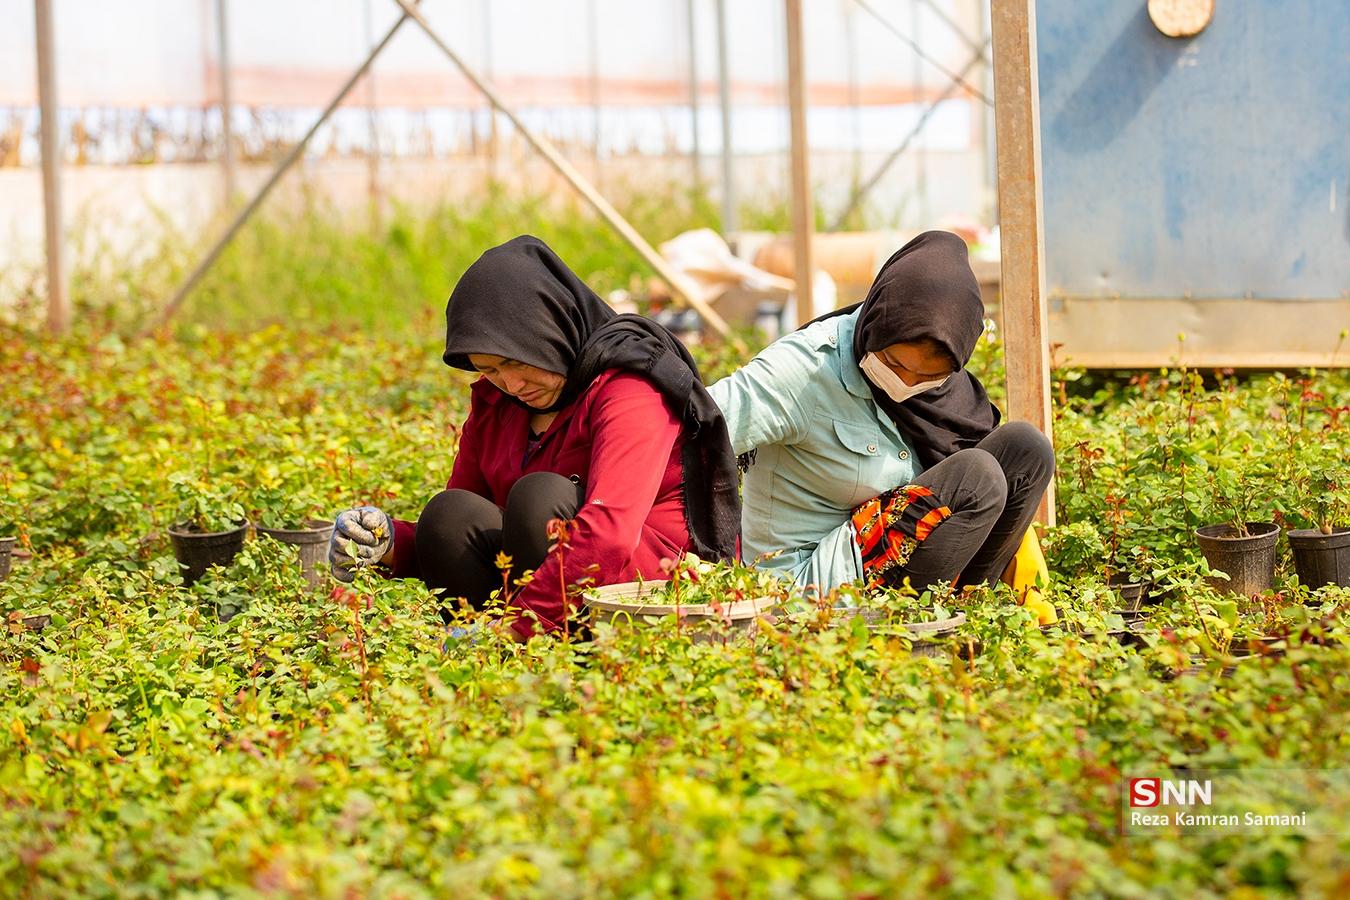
(890, 527)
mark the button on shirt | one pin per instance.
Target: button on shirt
(823, 447)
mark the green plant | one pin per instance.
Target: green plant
(11, 507)
(900, 603)
(1076, 549)
(284, 495)
(203, 505)
(1324, 480)
(694, 581)
(244, 736)
(1237, 497)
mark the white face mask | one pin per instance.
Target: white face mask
(894, 386)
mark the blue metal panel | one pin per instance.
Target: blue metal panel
(1214, 166)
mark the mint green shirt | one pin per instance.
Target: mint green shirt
(823, 447)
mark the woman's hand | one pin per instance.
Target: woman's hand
(366, 531)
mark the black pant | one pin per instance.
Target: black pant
(992, 490)
(460, 534)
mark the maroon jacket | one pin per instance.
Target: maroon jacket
(622, 441)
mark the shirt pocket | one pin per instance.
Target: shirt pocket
(864, 448)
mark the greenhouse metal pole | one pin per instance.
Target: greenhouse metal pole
(803, 221)
(291, 159)
(58, 309)
(593, 77)
(680, 286)
(372, 127)
(226, 103)
(921, 147)
(729, 222)
(918, 50)
(1017, 118)
(487, 74)
(696, 153)
(854, 90)
(990, 130)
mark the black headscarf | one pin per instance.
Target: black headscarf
(927, 291)
(520, 301)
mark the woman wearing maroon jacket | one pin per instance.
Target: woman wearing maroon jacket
(580, 414)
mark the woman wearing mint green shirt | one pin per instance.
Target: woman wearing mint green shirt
(872, 452)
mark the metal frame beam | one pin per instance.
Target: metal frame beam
(913, 44)
(803, 210)
(861, 191)
(58, 304)
(226, 102)
(696, 150)
(680, 286)
(729, 213)
(181, 295)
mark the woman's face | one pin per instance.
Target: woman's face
(535, 387)
(916, 362)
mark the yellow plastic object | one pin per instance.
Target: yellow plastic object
(1025, 572)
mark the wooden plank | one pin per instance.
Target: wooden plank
(1026, 345)
(58, 304)
(803, 221)
(1210, 332)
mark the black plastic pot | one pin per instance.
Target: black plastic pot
(927, 637)
(196, 551)
(1321, 559)
(6, 555)
(312, 543)
(1249, 562)
(1246, 652)
(1133, 594)
(1128, 637)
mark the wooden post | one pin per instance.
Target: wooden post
(803, 210)
(1026, 344)
(226, 103)
(58, 308)
(729, 221)
(681, 286)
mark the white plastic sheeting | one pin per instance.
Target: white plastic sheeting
(138, 53)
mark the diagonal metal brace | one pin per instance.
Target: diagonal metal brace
(291, 159)
(679, 284)
(862, 190)
(919, 51)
